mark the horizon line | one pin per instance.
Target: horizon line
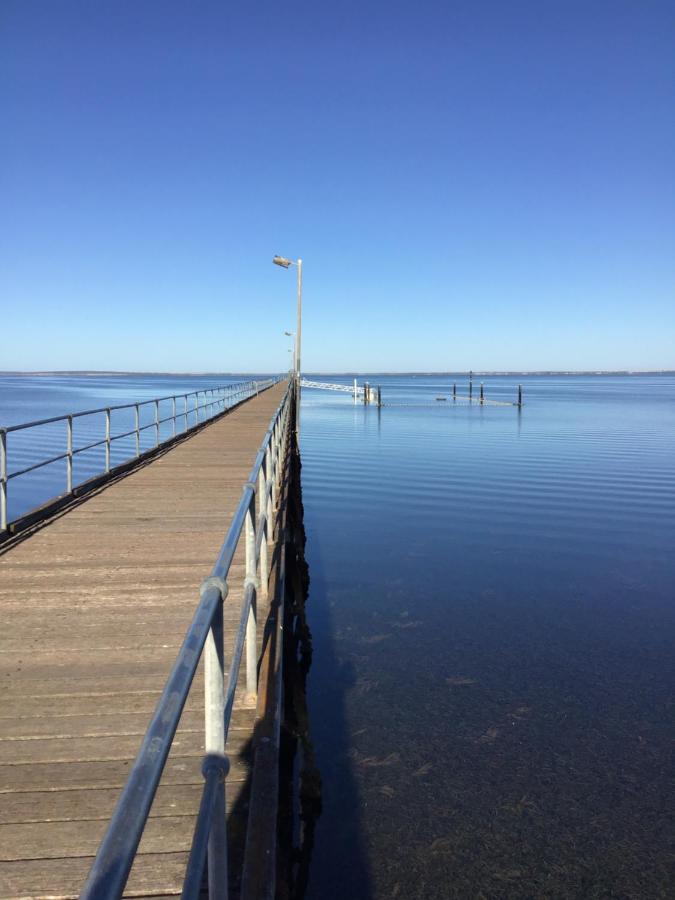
(343, 373)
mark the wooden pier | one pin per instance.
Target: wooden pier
(94, 606)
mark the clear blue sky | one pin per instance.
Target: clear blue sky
(484, 185)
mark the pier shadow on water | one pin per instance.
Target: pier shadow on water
(332, 862)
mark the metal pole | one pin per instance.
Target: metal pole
(173, 403)
(454, 392)
(69, 451)
(298, 350)
(251, 629)
(185, 413)
(520, 395)
(214, 742)
(157, 422)
(107, 440)
(3, 479)
(137, 417)
(263, 523)
(481, 393)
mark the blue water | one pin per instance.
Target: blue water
(27, 398)
(492, 602)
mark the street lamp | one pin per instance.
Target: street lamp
(285, 264)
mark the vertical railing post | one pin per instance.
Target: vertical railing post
(264, 524)
(185, 411)
(107, 440)
(214, 742)
(3, 479)
(481, 393)
(69, 454)
(251, 625)
(454, 392)
(197, 408)
(137, 428)
(173, 407)
(269, 492)
(157, 423)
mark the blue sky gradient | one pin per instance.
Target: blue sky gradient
(481, 185)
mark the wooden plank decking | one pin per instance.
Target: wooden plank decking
(93, 608)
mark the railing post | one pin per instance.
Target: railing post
(185, 412)
(3, 479)
(107, 440)
(269, 492)
(214, 742)
(251, 625)
(69, 454)
(197, 408)
(157, 423)
(137, 420)
(454, 392)
(263, 523)
(173, 406)
(481, 393)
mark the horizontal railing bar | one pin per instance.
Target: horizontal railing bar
(113, 862)
(39, 465)
(237, 653)
(77, 450)
(91, 412)
(229, 546)
(197, 859)
(113, 437)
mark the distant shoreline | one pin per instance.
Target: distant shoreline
(482, 372)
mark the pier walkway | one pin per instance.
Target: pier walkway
(94, 607)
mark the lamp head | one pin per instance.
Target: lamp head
(281, 261)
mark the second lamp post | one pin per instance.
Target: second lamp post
(285, 263)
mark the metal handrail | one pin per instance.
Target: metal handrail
(114, 859)
(216, 399)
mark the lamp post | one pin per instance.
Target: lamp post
(292, 334)
(285, 264)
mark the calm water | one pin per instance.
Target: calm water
(493, 614)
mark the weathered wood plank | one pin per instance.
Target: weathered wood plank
(98, 803)
(62, 879)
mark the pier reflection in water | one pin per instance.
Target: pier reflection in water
(491, 602)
